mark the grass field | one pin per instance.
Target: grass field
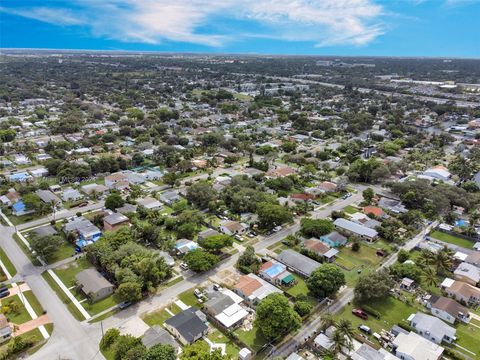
(467, 337)
(37, 307)
(216, 336)
(8, 264)
(20, 316)
(67, 272)
(350, 209)
(101, 305)
(391, 310)
(455, 240)
(357, 263)
(188, 297)
(253, 339)
(70, 306)
(158, 317)
(300, 288)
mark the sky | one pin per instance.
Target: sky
(434, 28)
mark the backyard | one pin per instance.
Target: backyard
(455, 240)
(253, 338)
(355, 263)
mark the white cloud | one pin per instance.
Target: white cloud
(324, 22)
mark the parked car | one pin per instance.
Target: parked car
(3, 288)
(360, 313)
(365, 329)
(277, 228)
(198, 293)
(4, 294)
(183, 266)
(124, 304)
(239, 237)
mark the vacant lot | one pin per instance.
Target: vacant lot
(455, 240)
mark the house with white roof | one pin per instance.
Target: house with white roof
(432, 328)
(467, 273)
(412, 346)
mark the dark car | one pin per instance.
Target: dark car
(360, 313)
(4, 294)
(3, 288)
(124, 305)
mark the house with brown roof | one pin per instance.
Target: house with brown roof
(374, 210)
(301, 198)
(448, 309)
(461, 291)
(254, 289)
(231, 227)
(320, 249)
(281, 172)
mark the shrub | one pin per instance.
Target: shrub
(110, 337)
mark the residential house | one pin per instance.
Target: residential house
(127, 208)
(187, 326)
(280, 172)
(19, 209)
(231, 227)
(202, 235)
(297, 262)
(412, 346)
(46, 230)
(438, 172)
(473, 258)
(225, 309)
(117, 181)
(169, 197)
(184, 246)
(432, 328)
(374, 210)
(39, 172)
(366, 352)
(301, 198)
(49, 198)
(150, 203)
(86, 231)
(467, 273)
(10, 198)
(392, 205)
(19, 177)
(322, 343)
(321, 249)
(448, 309)
(94, 189)
(6, 330)
(170, 261)
(276, 273)
(71, 194)
(351, 228)
(114, 221)
(461, 291)
(253, 289)
(157, 335)
(93, 284)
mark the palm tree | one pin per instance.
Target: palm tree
(339, 342)
(345, 328)
(426, 257)
(429, 276)
(326, 321)
(443, 262)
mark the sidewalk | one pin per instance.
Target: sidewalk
(25, 302)
(67, 292)
(32, 324)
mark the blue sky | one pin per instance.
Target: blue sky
(312, 27)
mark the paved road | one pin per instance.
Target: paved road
(70, 340)
(437, 100)
(309, 329)
(74, 340)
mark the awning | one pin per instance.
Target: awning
(288, 279)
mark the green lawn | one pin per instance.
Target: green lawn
(19, 317)
(188, 297)
(327, 199)
(67, 272)
(350, 209)
(353, 264)
(455, 240)
(37, 307)
(26, 250)
(300, 288)
(158, 317)
(391, 310)
(70, 306)
(467, 337)
(101, 305)
(216, 336)
(8, 264)
(253, 339)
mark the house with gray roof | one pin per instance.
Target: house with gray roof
(93, 284)
(187, 326)
(297, 262)
(49, 197)
(351, 228)
(156, 335)
(432, 328)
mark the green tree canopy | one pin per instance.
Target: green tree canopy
(326, 280)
